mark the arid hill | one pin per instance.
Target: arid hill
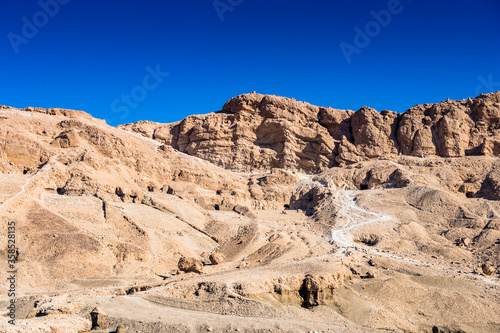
(290, 218)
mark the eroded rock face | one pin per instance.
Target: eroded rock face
(309, 291)
(256, 132)
(98, 319)
(452, 128)
(374, 133)
(67, 139)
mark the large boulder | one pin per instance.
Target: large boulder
(488, 269)
(216, 258)
(188, 265)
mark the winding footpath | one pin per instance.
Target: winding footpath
(351, 217)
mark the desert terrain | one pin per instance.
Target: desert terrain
(291, 218)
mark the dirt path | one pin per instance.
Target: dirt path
(13, 197)
(351, 217)
(44, 169)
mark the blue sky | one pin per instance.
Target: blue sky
(111, 58)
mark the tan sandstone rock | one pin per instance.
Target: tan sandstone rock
(188, 265)
(98, 318)
(488, 269)
(258, 132)
(216, 258)
(121, 329)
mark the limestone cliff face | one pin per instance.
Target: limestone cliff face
(452, 128)
(256, 132)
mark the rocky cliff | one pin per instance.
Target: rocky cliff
(256, 132)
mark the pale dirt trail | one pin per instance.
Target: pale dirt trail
(18, 194)
(44, 169)
(351, 217)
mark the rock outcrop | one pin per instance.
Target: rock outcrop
(54, 307)
(373, 135)
(256, 132)
(452, 128)
(98, 318)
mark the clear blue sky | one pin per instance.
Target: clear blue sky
(89, 55)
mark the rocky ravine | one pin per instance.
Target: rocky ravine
(320, 219)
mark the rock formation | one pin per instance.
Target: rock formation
(98, 318)
(256, 132)
(309, 290)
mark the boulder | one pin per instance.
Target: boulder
(465, 241)
(216, 258)
(374, 133)
(188, 265)
(488, 269)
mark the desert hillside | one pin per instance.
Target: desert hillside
(291, 217)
